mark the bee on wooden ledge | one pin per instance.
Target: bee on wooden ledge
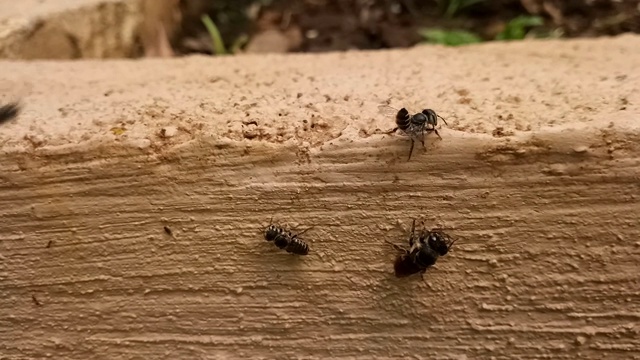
(287, 240)
(424, 250)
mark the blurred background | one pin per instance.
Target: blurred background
(330, 25)
(166, 28)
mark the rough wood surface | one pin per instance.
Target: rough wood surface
(537, 175)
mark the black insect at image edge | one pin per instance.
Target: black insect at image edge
(9, 111)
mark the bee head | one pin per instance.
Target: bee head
(440, 242)
(432, 117)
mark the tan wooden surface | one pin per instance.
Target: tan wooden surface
(537, 175)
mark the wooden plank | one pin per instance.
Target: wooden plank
(546, 264)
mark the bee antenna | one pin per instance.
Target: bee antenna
(397, 247)
(422, 277)
(305, 230)
(445, 121)
(451, 244)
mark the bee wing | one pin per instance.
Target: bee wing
(387, 110)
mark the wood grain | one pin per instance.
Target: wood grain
(546, 265)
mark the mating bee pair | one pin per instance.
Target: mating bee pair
(425, 247)
(286, 240)
(413, 125)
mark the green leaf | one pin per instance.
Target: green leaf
(516, 29)
(527, 21)
(216, 39)
(240, 41)
(449, 37)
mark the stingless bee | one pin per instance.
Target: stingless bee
(9, 111)
(413, 125)
(286, 240)
(423, 252)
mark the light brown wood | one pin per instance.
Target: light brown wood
(537, 175)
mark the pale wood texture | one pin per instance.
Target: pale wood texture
(545, 208)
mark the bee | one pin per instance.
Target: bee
(286, 240)
(413, 125)
(9, 111)
(423, 252)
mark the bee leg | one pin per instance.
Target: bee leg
(413, 231)
(411, 151)
(422, 275)
(397, 247)
(305, 230)
(391, 131)
(424, 234)
(436, 131)
(422, 140)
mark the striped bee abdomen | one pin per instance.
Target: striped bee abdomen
(297, 246)
(403, 120)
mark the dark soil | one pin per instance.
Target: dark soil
(330, 25)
